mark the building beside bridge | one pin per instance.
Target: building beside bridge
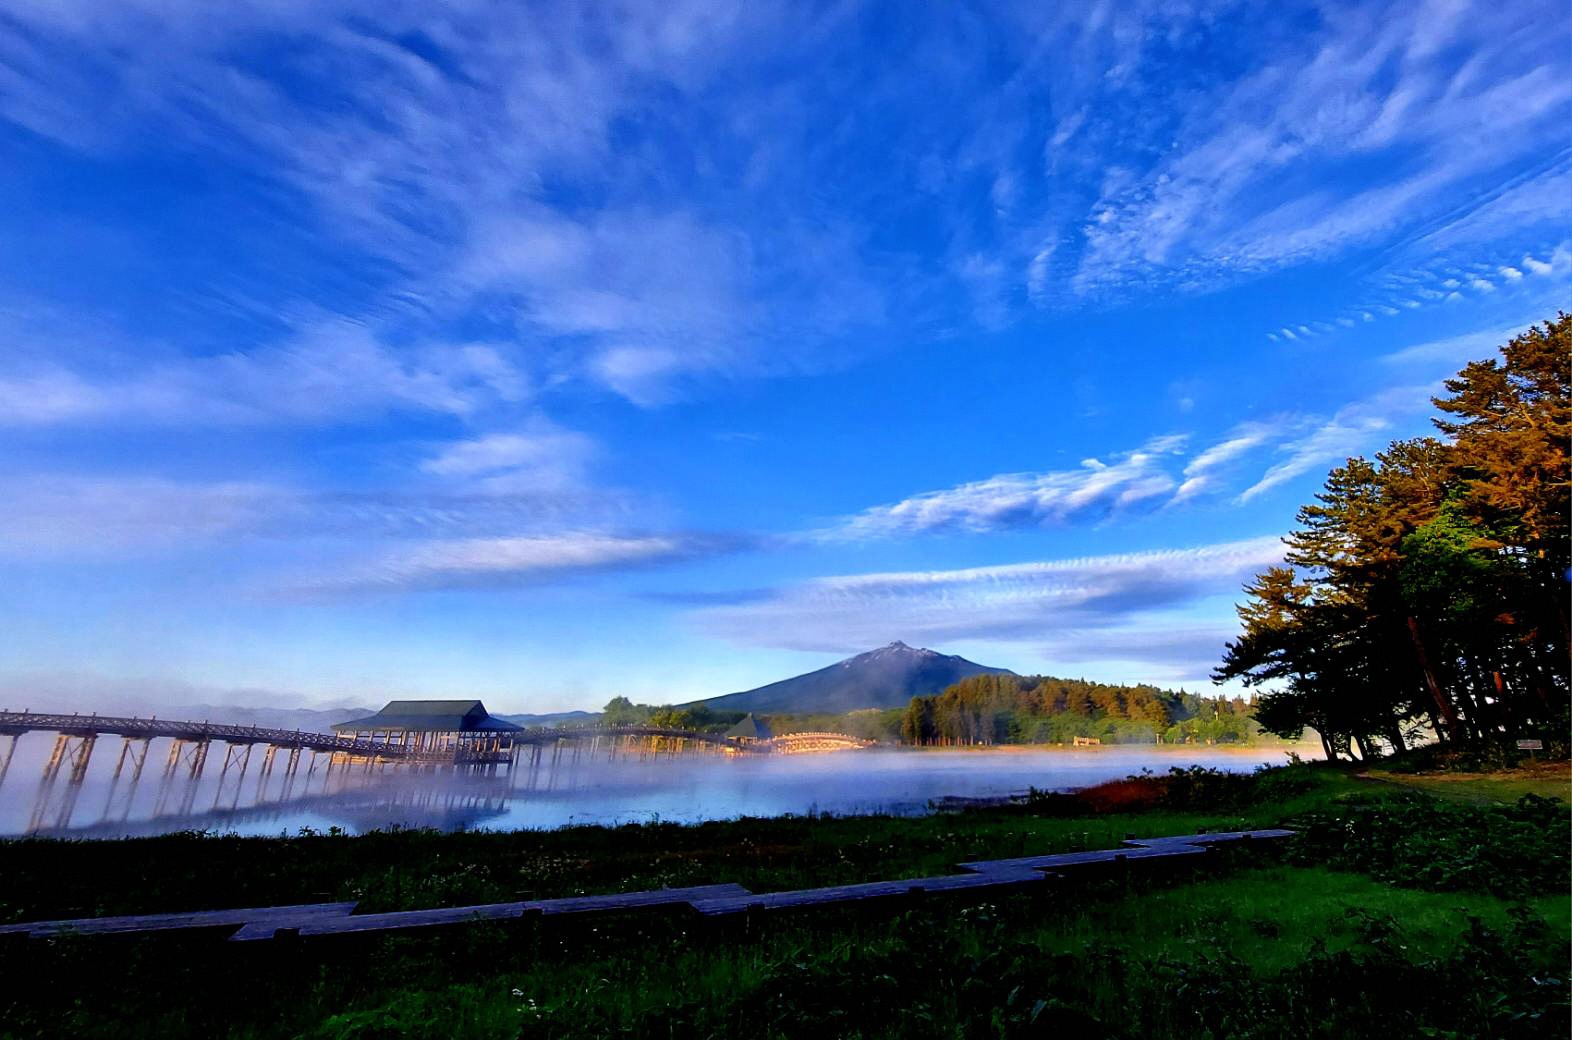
(750, 731)
(461, 732)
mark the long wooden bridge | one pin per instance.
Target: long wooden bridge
(77, 735)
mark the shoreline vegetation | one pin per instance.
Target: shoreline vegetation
(1460, 904)
(1423, 596)
(1000, 710)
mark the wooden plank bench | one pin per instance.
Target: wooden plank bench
(185, 921)
(316, 919)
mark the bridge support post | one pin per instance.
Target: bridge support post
(236, 755)
(56, 756)
(197, 758)
(5, 758)
(176, 746)
(80, 757)
(137, 760)
(120, 762)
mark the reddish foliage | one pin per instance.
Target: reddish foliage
(1129, 794)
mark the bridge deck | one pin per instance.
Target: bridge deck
(18, 722)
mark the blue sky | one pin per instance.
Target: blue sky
(550, 352)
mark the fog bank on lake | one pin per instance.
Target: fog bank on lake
(572, 791)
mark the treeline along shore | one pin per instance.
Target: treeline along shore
(1423, 596)
(985, 710)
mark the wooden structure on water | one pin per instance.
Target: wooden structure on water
(417, 736)
(749, 730)
(461, 733)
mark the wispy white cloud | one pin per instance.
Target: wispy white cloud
(1351, 430)
(1257, 175)
(438, 139)
(1535, 203)
(328, 374)
(1558, 262)
(430, 139)
(541, 458)
(77, 517)
(1202, 471)
(1020, 499)
(518, 560)
(1453, 352)
(96, 517)
(1033, 603)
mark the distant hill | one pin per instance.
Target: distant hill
(554, 718)
(311, 720)
(888, 677)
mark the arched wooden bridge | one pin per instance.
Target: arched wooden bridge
(786, 743)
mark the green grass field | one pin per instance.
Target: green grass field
(1393, 913)
(1544, 779)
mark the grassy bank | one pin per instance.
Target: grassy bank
(1542, 779)
(1411, 911)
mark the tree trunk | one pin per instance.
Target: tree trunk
(1443, 704)
(1326, 746)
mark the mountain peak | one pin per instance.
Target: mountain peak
(888, 677)
(896, 647)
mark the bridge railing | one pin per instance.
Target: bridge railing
(136, 727)
(537, 734)
(132, 726)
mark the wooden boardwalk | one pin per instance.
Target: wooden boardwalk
(322, 919)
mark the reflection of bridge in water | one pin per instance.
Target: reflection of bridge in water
(349, 773)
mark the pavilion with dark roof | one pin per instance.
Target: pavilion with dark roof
(459, 731)
(750, 730)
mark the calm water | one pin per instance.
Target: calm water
(684, 788)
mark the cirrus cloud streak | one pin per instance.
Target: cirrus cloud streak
(1141, 594)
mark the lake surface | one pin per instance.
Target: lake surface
(682, 788)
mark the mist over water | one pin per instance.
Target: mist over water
(570, 790)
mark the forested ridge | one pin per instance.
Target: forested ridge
(1425, 591)
(1011, 709)
(998, 709)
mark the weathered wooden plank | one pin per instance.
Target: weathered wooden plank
(873, 890)
(634, 900)
(398, 920)
(1070, 861)
(1218, 838)
(336, 918)
(999, 879)
(384, 922)
(168, 922)
(802, 897)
